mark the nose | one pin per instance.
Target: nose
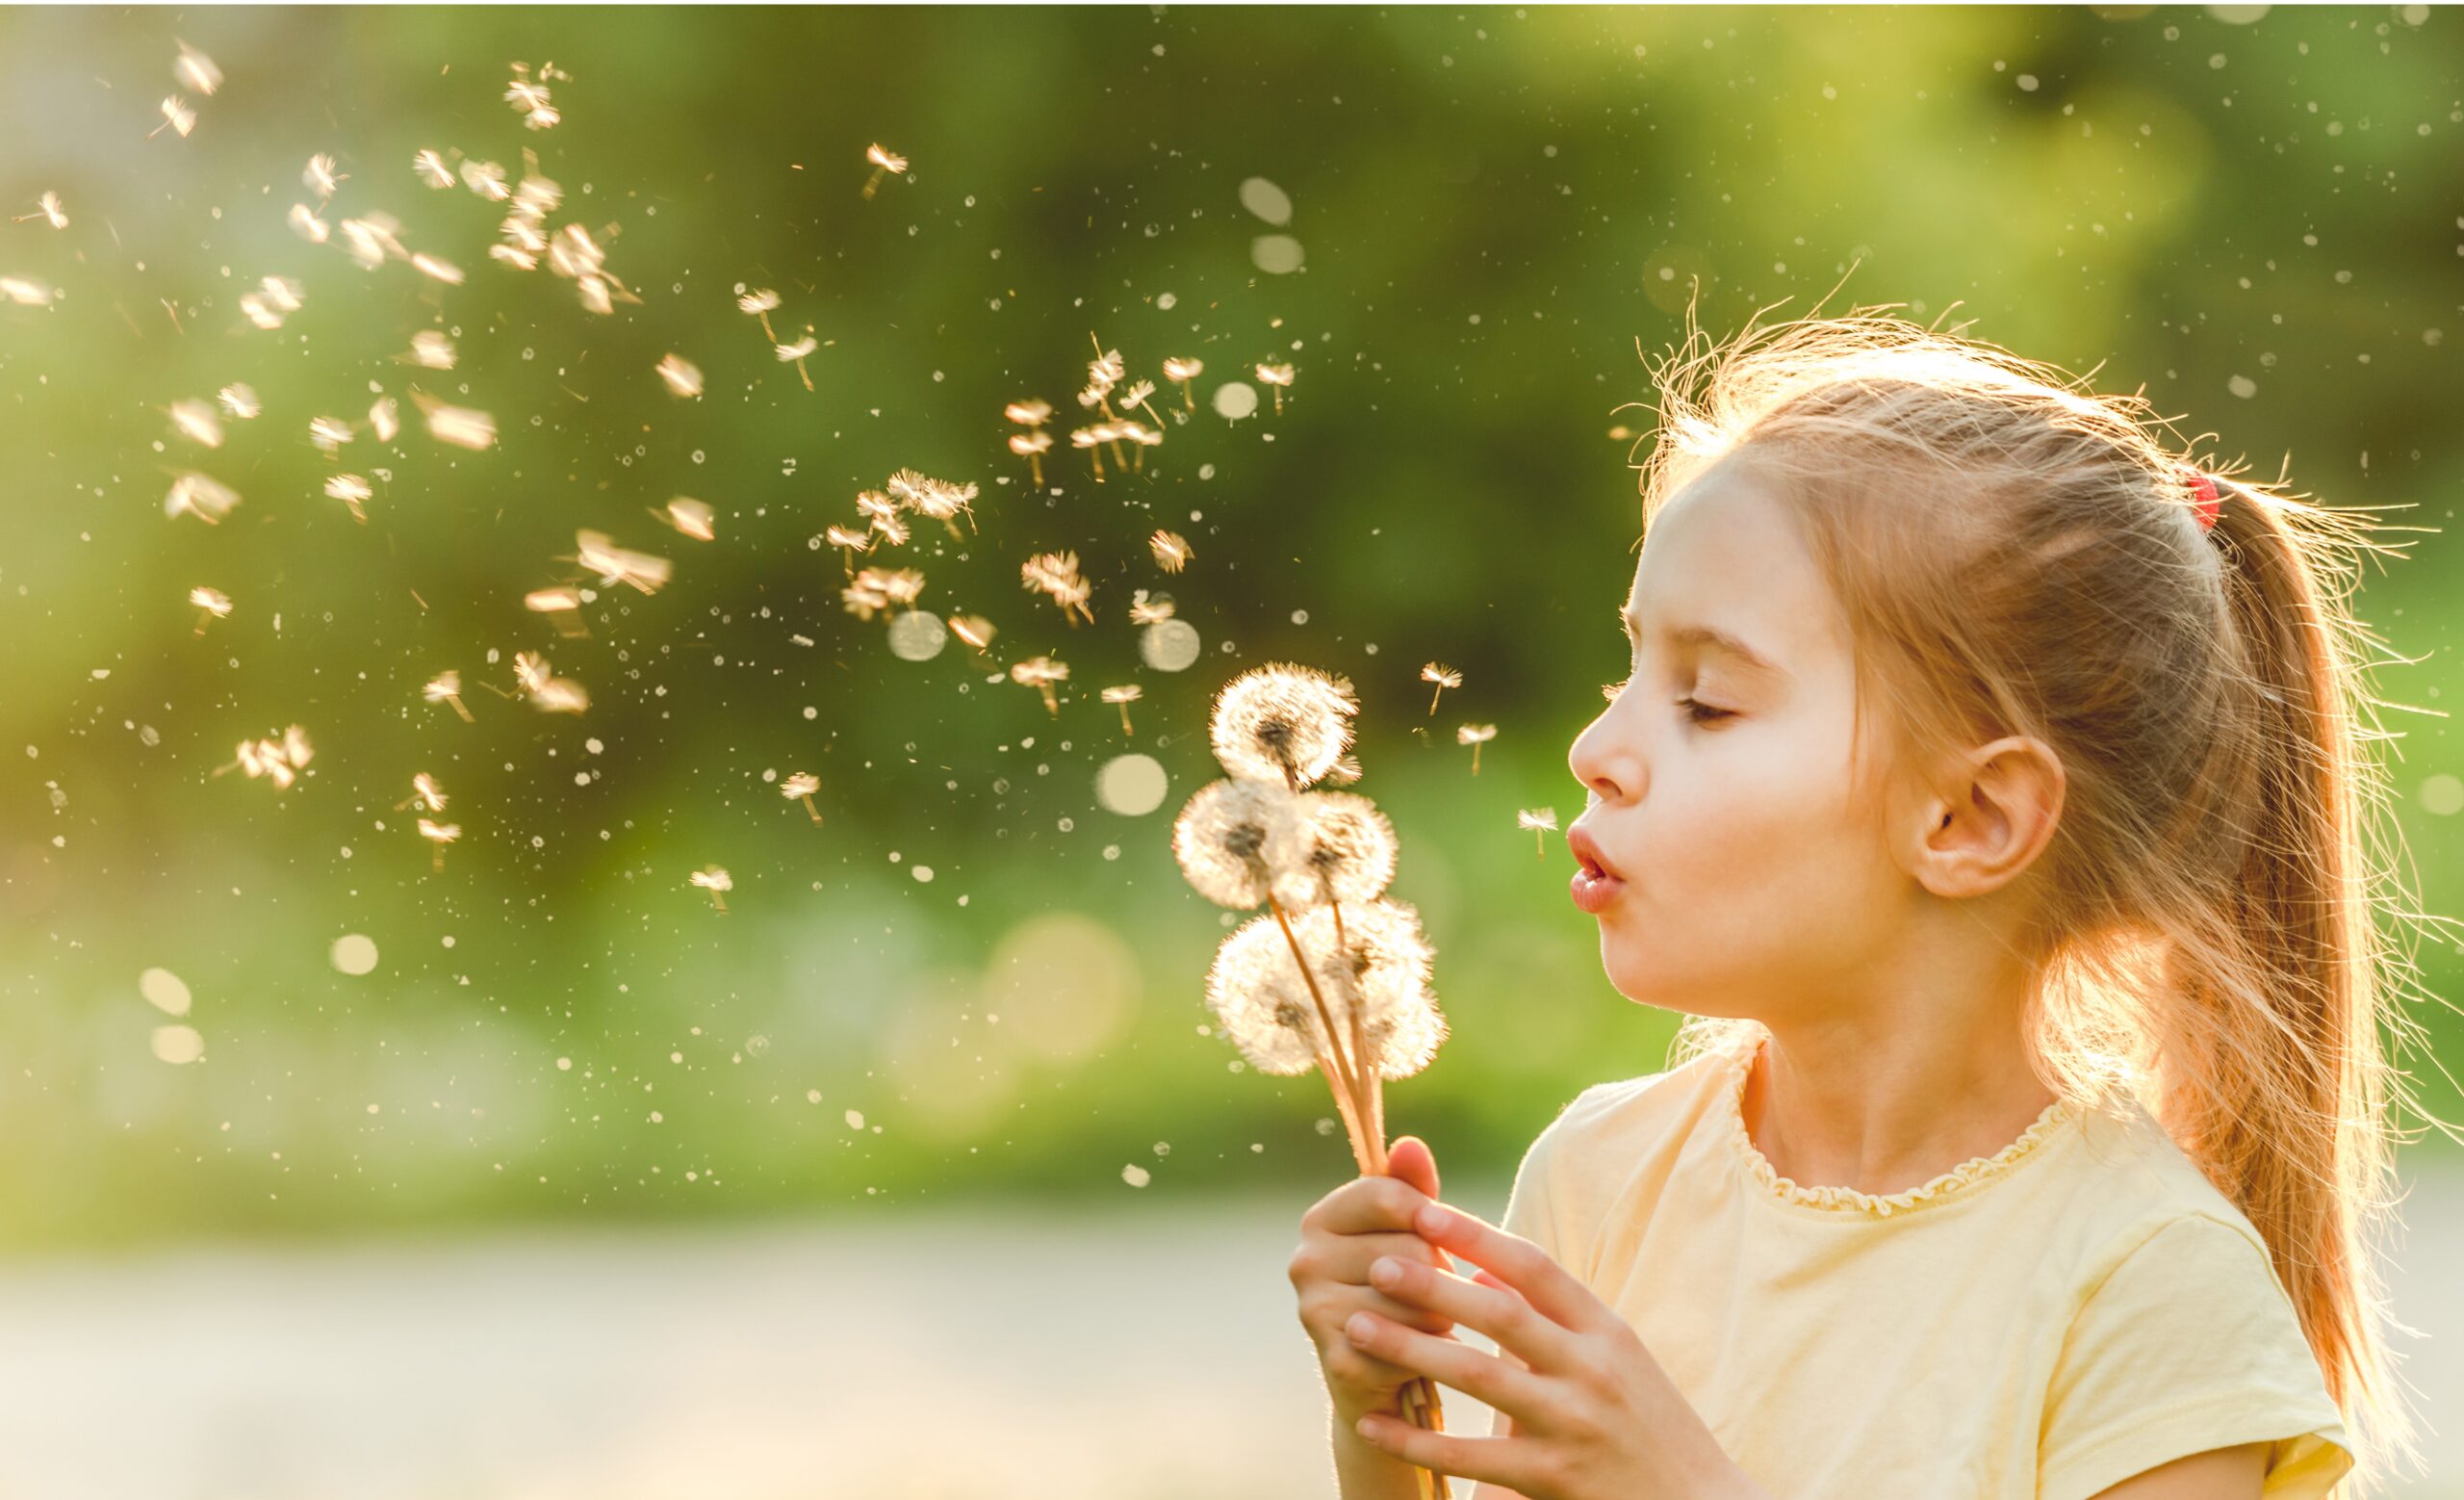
(1607, 768)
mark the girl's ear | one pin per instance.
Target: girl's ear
(1997, 814)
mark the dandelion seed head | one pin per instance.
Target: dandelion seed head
(1476, 734)
(757, 302)
(1126, 692)
(885, 159)
(1235, 837)
(712, 877)
(1346, 852)
(445, 685)
(213, 600)
(1443, 676)
(1176, 369)
(1541, 819)
(803, 783)
(1282, 722)
(1028, 413)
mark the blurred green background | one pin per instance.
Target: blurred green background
(2254, 218)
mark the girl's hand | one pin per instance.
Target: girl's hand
(1365, 1220)
(1595, 1417)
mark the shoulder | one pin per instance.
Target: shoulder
(1622, 1114)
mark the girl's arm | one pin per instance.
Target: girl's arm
(1364, 1473)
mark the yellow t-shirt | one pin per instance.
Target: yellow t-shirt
(2038, 1325)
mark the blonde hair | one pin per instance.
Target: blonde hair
(2019, 555)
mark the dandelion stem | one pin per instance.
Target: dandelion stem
(1124, 718)
(815, 810)
(1432, 700)
(1372, 1152)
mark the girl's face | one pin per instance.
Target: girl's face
(1744, 870)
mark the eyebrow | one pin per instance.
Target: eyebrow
(1713, 638)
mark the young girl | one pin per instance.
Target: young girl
(1987, 791)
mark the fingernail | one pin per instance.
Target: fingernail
(1385, 1272)
(1433, 1219)
(1360, 1327)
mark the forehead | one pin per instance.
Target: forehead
(1724, 570)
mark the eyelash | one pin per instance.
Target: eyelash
(1697, 711)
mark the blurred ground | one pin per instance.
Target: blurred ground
(938, 1354)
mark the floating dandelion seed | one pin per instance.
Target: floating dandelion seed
(372, 239)
(284, 293)
(797, 353)
(46, 207)
(195, 70)
(212, 602)
(201, 495)
(320, 177)
(849, 541)
(1542, 821)
(432, 170)
(714, 880)
(1124, 695)
(936, 500)
(176, 116)
(1171, 550)
(1144, 610)
(487, 180)
(329, 434)
(240, 401)
(549, 692)
(384, 417)
(689, 516)
(279, 760)
(613, 564)
(25, 291)
(1088, 439)
(531, 98)
(1031, 447)
(424, 792)
(800, 788)
(431, 266)
(1476, 735)
(561, 605)
(973, 629)
(1275, 376)
(762, 304)
(683, 376)
(1028, 413)
(1106, 370)
(460, 426)
(305, 224)
(197, 422)
(1283, 723)
(1444, 676)
(431, 351)
(446, 687)
(1136, 397)
(1056, 574)
(1140, 433)
(1040, 673)
(884, 160)
(1181, 371)
(352, 490)
(439, 835)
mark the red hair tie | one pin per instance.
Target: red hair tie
(2207, 502)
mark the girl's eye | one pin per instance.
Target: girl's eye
(1703, 712)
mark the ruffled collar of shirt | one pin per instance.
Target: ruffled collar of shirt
(1959, 1180)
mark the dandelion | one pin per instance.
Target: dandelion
(202, 496)
(177, 117)
(1056, 573)
(1275, 376)
(384, 417)
(1541, 821)
(352, 490)
(439, 835)
(849, 540)
(600, 555)
(1181, 371)
(446, 687)
(195, 70)
(1283, 723)
(1476, 735)
(46, 207)
(1171, 550)
(213, 604)
(320, 177)
(884, 160)
(197, 422)
(1124, 695)
(1144, 610)
(798, 351)
(800, 788)
(329, 434)
(1235, 837)
(1040, 673)
(429, 351)
(762, 304)
(1444, 676)
(1346, 771)
(240, 401)
(487, 180)
(1031, 447)
(689, 516)
(25, 291)
(432, 170)
(714, 880)
(683, 376)
(1347, 853)
(460, 426)
(973, 629)
(305, 224)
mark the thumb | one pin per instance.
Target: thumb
(1410, 1160)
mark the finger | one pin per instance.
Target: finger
(1525, 1267)
(1367, 1205)
(1495, 1460)
(1459, 1364)
(1500, 1313)
(1411, 1161)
